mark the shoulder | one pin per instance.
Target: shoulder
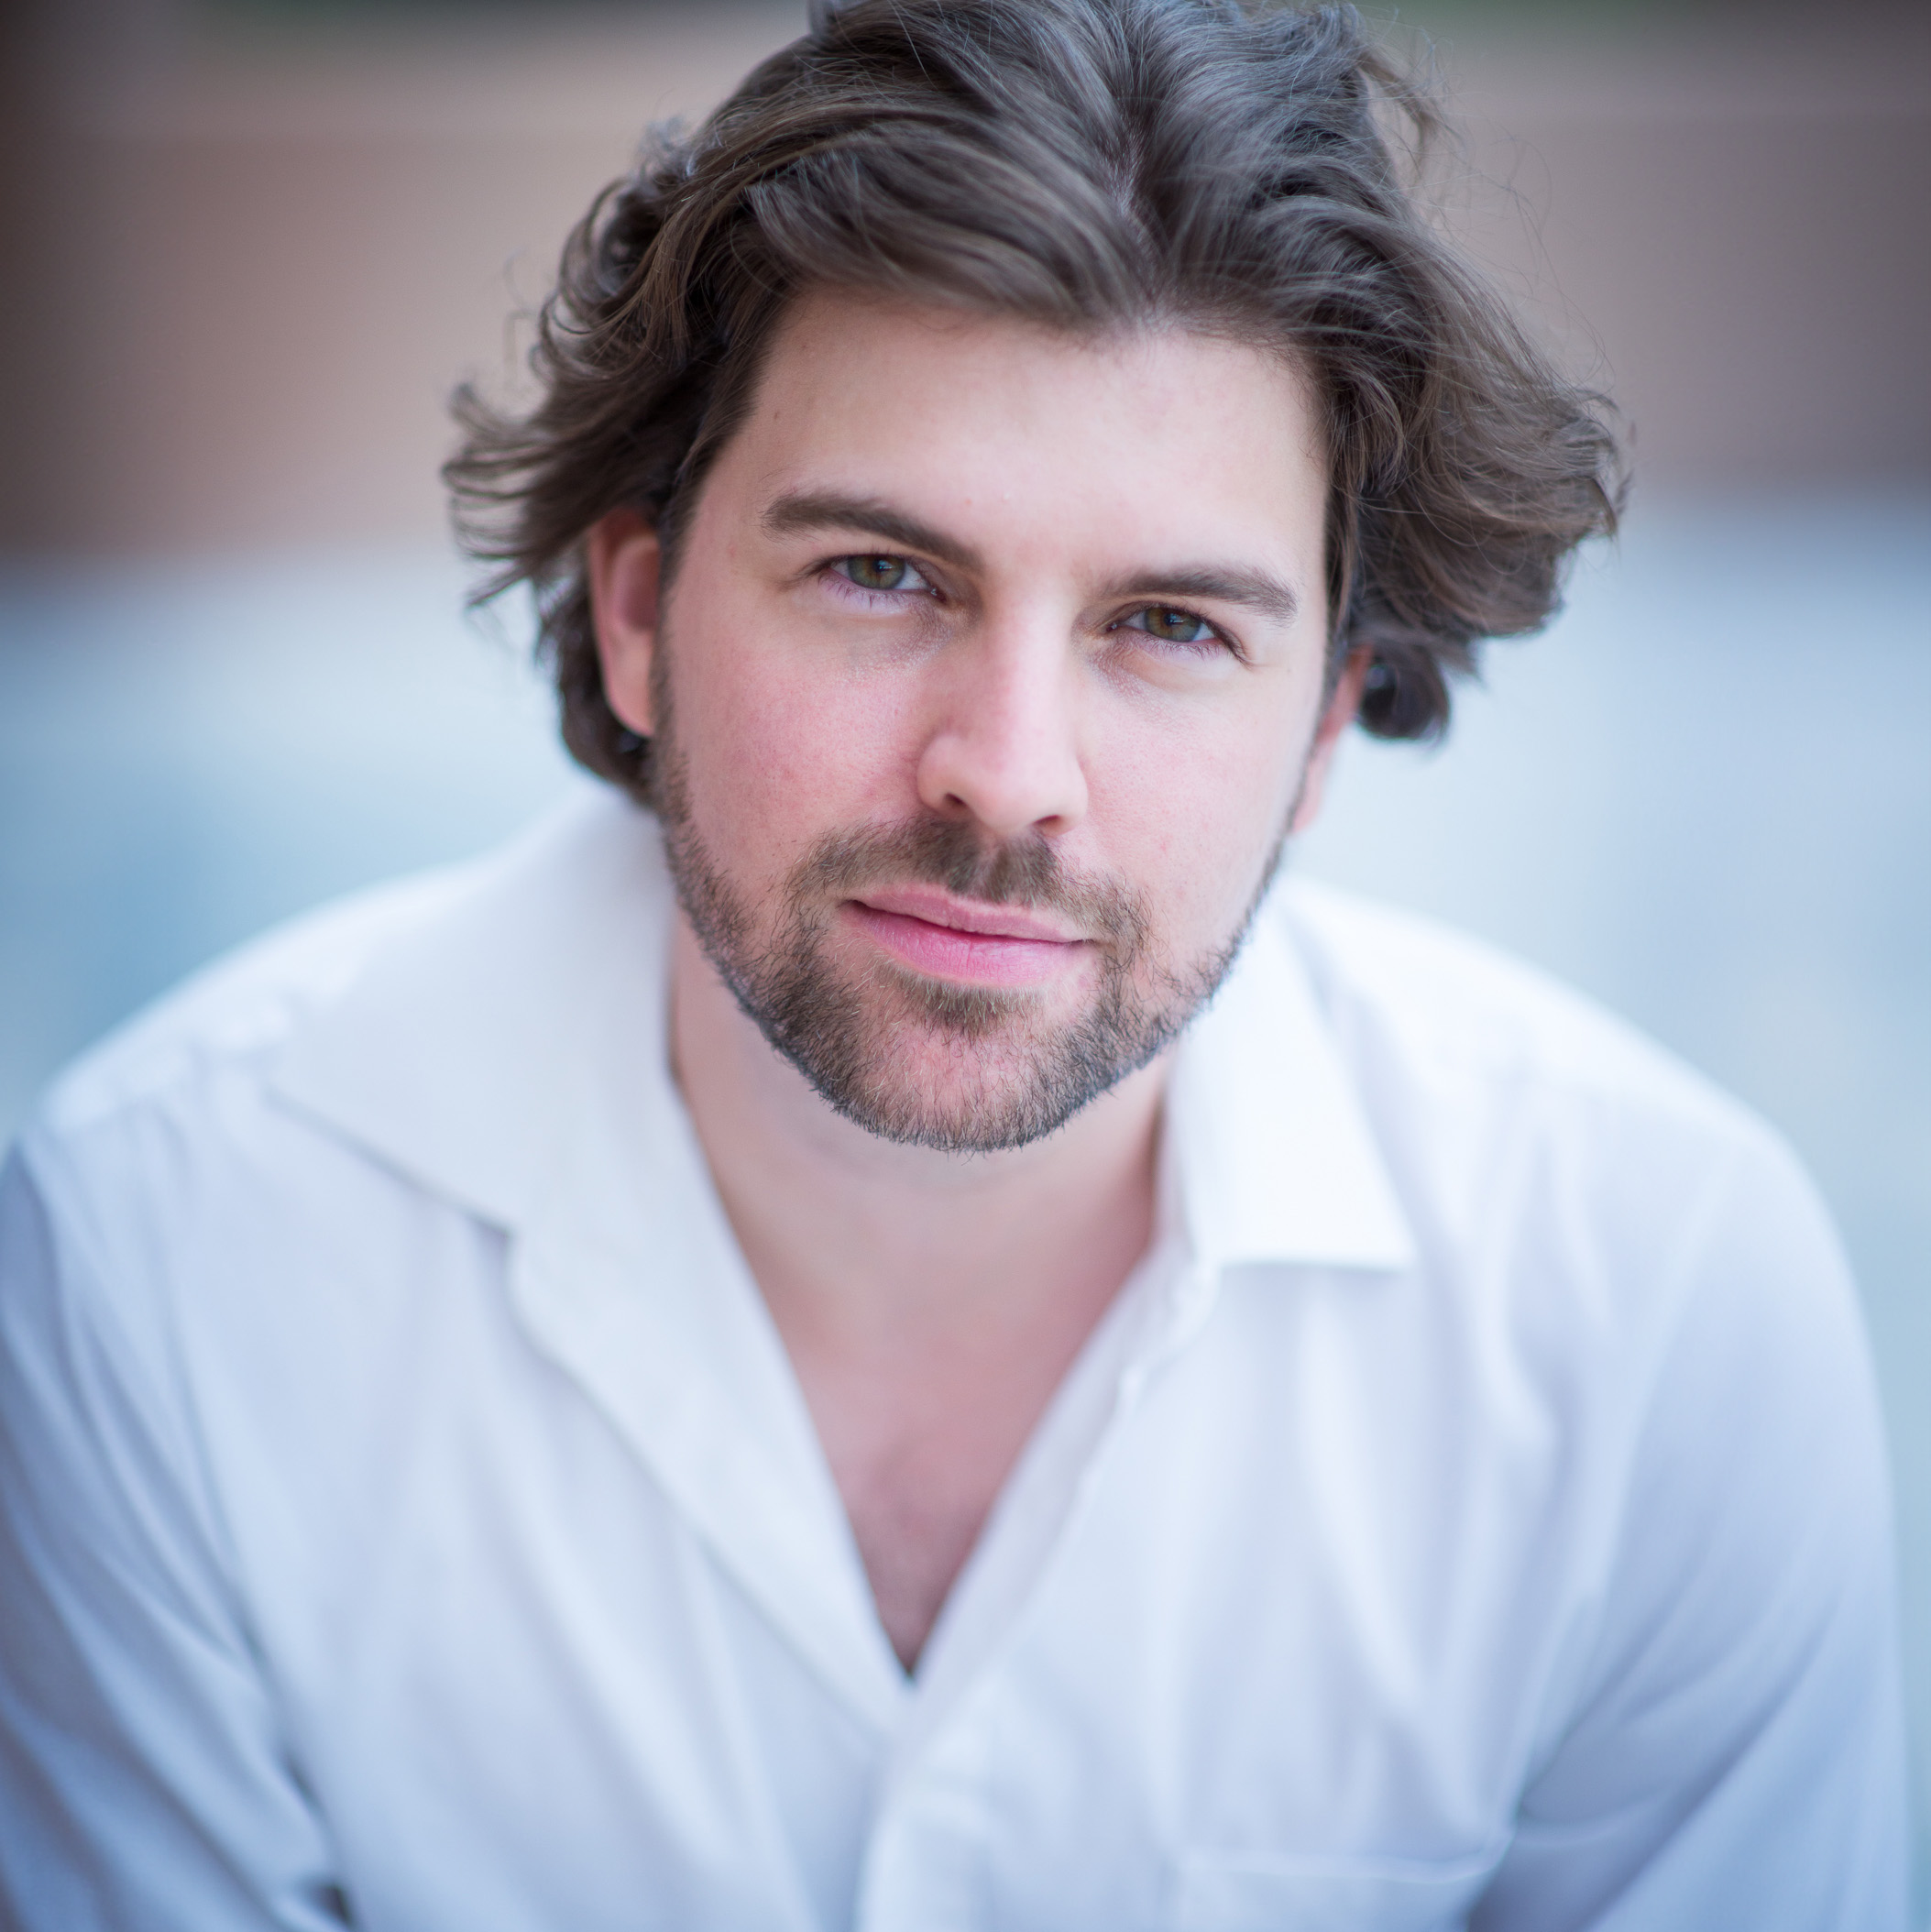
(181, 1089)
(1579, 1181)
(246, 1007)
(142, 1161)
(408, 1049)
(1446, 1020)
(241, 1007)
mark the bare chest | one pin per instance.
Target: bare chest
(919, 1460)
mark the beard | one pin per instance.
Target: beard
(914, 1059)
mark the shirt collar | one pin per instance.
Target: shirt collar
(508, 1051)
(488, 1049)
(1275, 1158)
(511, 1054)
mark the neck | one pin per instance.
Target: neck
(930, 1302)
(852, 1237)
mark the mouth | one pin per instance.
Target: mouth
(959, 939)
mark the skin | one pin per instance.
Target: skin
(1109, 634)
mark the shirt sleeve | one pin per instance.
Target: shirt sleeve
(1732, 1753)
(143, 1781)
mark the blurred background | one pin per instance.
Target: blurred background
(250, 245)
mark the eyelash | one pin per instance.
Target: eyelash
(1215, 639)
(832, 568)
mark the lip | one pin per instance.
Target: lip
(950, 938)
(939, 909)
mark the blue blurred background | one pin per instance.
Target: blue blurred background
(252, 244)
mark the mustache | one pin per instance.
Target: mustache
(950, 853)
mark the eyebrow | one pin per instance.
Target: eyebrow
(821, 509)
(1226, 583)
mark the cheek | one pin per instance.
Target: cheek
(1192, 814)
(778, 755)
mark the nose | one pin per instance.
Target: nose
(1004, 743)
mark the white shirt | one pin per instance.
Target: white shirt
(1471, 1509)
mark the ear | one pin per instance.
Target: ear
(1339, 715)
(623, 562)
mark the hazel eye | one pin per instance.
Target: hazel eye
(880, 573)
(1172, 626)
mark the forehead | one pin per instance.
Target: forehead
(1160, 433)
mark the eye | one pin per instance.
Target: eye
(1171, 626)
(878, 572)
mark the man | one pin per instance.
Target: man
(881, 1342)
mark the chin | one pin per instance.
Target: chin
(961, 1069)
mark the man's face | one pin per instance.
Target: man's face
(986, 689)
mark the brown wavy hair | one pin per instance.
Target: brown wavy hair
(1090, 165)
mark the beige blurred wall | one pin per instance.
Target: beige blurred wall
(242, 273)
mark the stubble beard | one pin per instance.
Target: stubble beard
(1004, 1076)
